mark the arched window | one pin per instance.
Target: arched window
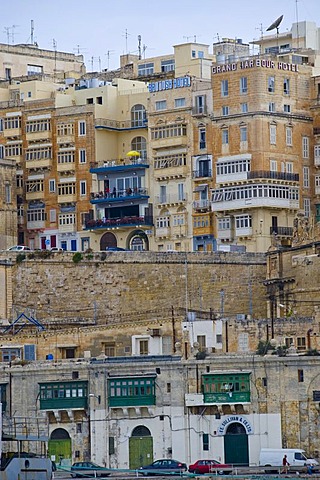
(138, 116)
(140, 145)
(141, 431)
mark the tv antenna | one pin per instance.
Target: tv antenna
(126, 34)
(10, 32)
(109, 52)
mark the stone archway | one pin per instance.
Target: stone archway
(108, 240)
(140, 447)
(59, 446)
(138, 240)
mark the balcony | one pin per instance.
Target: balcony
(119, 222)
(119, 196)
(34, 195)
(132, 391)
(200, 110)
(41, 135)
(202, 173)
(38, 225)
(67, 228)
(113, 166)
(288, 177)
(65, 139)
(107, 124)
(63, 395)
(282, 231)
(41, 163)
(170, 199)
(67, 198)
(12, 132)
(243, 232)
(66, 167)
(225, 234)
(204, 204)
(163, 232)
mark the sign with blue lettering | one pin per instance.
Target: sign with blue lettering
(169, 84)
(235, 419)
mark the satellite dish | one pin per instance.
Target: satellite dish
(275, 24)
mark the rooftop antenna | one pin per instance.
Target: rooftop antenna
(108, 57)
(144, 48)
(7, 31)
(297, 23)
(274, 25)
(13, 27)
(187, 38)
(139, 46)
(54, 43)
(126, 36)
(32, 30)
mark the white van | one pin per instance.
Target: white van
(272, 457)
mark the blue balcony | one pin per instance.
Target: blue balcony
(119, 222)
(113, 167)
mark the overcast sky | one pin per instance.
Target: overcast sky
(102, 30)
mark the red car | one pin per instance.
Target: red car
(210, 466)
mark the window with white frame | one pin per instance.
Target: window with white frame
(66, 188)
(271, 84)
(273, 134)
(243, 221)
(289, 136)
(19, 181)
(243, 134)
(52, 186)
(286, 108)
(289, 167)
(167, 65)
(1, 124)
(225, 136)
(307, 207)
(224, 88)
(11, 122)
(243, 85)
(233, 167)
(13, 150)
(273, 166)
(33, 126)
(272, 107)
(317, 181)
(163, 222)
(225, 110)
(82, 130)
(179, 102)
(83, 187)
(161, 105)
(34, 186)
(36, 215)
(306, 177)
(244, 107)
(145, 69)
(163, 193)
(82, 155)
(67, 219)
(305, 147)
(1, 151)
(34, 69)
(317, 152)
(66, 157)
(178, 219)
(65, 129)
(202, 138)
(224, 223)
(38, 153)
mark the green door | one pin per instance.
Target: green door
(61, 449)
(140, 451)
(236, 448)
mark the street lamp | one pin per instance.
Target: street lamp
(98, 397)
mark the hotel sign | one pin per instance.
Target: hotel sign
(258, 62)
(179, 82)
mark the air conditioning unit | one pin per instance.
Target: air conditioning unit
(155, 332)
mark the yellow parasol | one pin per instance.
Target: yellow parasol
(133, 153)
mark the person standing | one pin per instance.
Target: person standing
(285, 464)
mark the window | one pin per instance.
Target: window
(167, 65)
(286, 86)
(19, 179)
(140, 145)
(181, 195)
(7, 188)
(112, 449)
(13, 150)
(289, 167)
(11, 122)
(307, 207)
(225, 136)
(1, 151)
(82, 128)
(79, 427)
(143, 347)
(145, 69)
(225, 110)
(317, 152)
(205, 441)
(201, 339)
(34, 186)
(163, 193)
(53, 216)
(110, 349)
(305, 147)
(168, 387)
(34, 69)
(67, 219)
(36, 215)
(224, 88)
(271, 85)
(52, 186)
(99, 100)
(8, 73)
(66, 189)
(179, 102)
(83, 187)
(162, 222)
(66, 157)
(243, 134)
(161, 105)
(243, 221)
(244, 107)
(200, 104)
(300, 374)
(202, 138)
(272, 107)
(33, 126)
(243, 85)
(289, 136)
(65, 129)
(306, 177)
(82, 155)
(273, 134)
(273, 166)
(174, 130)
(286, 108)
(138, 116)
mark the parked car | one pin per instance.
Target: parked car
(210, 466)
(88, 469)
(56, 249)
(115, 249)
(18, 248)
(164, 467)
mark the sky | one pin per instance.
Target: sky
(102, 30)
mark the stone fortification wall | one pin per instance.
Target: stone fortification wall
(105, 287)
